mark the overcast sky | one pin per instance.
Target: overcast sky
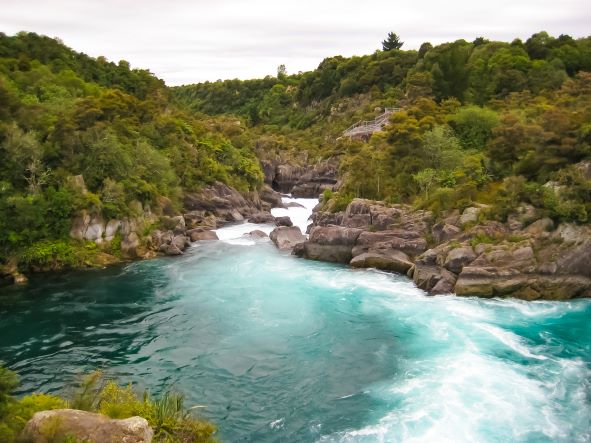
(184, 41)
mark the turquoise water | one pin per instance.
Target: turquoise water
(283, 349)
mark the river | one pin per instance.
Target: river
(285, 349)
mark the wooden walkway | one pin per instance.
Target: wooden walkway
(364, 129)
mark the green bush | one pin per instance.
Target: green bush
(56, 254)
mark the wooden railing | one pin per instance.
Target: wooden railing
(368, 127)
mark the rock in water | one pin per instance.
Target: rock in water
(63, 424)
(283, 221)
(199, 234)
(286, 237)
(257, 234)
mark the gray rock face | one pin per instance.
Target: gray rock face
(223, 202)
(130, 244)
(60, 424)
(286, 237)
(111, 229)
(301, 181)
(89, 227)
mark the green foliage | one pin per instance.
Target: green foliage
(474, 125)
(87, 393)
(65, 114)
(53, 254)
(392, 42)
(167, 415)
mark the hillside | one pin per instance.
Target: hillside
(485, 121)
(78, 133)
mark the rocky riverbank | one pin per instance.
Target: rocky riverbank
(527, 257)
(155, 232)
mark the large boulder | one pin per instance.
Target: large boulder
(286, 237)
(270, 197)
(170, 249)
(261, 217)
(283, 221)
(257, 234)
(331, 243)
(457, 258)
(470, 215)
(181, 242)
(504, 282)
(433, 279)
(540, 227)
(199, 234)
(444, 232)
(395, 261)
(71, 424)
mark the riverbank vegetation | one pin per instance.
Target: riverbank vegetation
(64, 114)
(167, 415)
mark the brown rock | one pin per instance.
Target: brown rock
(283, 221)
(459, 257)
(540, 227)
(331, 243)
(199, 234)
(257, 234)
(405, 241)
(262, 217)
(170, 249)
(181, 242)
(286, 237)
(394, 261)
(444, 232)
(433, 279)
(61, 424)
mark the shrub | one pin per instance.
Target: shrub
(51, 254)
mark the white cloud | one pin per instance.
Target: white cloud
(186, 41)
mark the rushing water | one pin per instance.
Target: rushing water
(281, 349)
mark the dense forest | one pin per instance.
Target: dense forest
(64, 114)
(483, 121)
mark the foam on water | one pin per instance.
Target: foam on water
(285, 349)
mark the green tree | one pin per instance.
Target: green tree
(392, 42)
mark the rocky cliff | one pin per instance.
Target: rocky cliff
(302, 181)
(527, 257)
